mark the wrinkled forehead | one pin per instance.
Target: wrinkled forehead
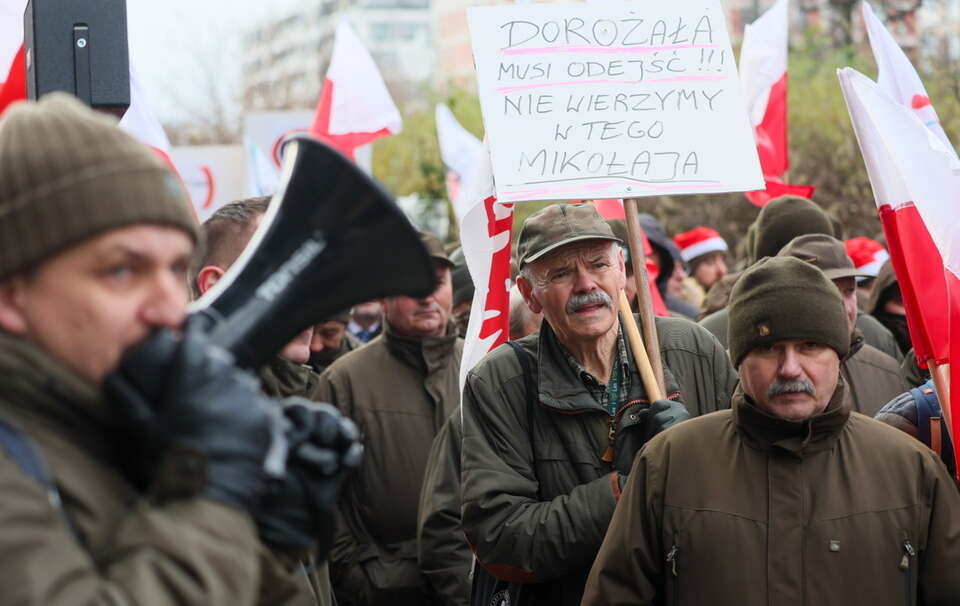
(586, 250)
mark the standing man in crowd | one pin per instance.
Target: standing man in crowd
(400, 388)
(871, 377)
(542, 468)
(96, 236)
(794, 498)
(331, 341)
(366, 321)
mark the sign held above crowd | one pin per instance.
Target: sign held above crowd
(612, 100)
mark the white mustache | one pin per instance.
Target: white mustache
(591, 298)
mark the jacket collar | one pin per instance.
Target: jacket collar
(800, 438)
(428, 355)
(560, 387)
(41, 387)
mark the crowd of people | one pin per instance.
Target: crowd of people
(795, 456)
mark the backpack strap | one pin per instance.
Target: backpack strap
(20, 448)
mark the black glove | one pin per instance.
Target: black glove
(639, 426)
(300, 511)
(195, 422)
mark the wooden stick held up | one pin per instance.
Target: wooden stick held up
(941, 380)
(638, 260)
(650, 385)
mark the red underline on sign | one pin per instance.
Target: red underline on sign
(521, 194)
(608, 50)
(511, 89)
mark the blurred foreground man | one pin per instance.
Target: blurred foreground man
(794, 500)
(98, 505)
(550, 429)
(400, 388)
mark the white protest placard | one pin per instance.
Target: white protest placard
(613, 99)
(212, 174)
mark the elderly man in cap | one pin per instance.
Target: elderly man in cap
(872, 378)
(551, 426)
(789, 497)
(400, 388)
(112, 493)
(331, 341)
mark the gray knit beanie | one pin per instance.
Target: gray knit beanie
(68, 173)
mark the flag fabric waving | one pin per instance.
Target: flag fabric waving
(485, 231)
(355, 107)
(763, 71)
(896, 76)
(458, 149)
(916, 183)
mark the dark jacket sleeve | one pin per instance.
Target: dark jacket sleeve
(516, 536)
(187, 552)
(939, 583)
(699, 363)
(442, 550)
(629, 568)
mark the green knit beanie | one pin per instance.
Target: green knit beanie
(780, 298)
(68, 173)
(785, 218)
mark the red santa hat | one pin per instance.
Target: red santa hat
(699, 241)
(867, 255)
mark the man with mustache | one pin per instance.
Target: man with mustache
(550, 428)
(794, 498)
(399, 389)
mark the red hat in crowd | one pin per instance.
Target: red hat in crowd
(868, 255)
(699, 241)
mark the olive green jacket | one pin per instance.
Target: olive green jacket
(741, 508)
(537, 512)
(872, 378)
(399, 392)
(129, 549)
(442, 550)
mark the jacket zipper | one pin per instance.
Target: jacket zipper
(612, 421)
(672, 556)
(905, 565)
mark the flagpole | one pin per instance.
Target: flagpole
(644, 302)
(941, 380)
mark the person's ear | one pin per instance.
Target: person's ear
(207, 277)
(12, 318)
(526, 289)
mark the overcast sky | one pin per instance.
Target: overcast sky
(186, 52)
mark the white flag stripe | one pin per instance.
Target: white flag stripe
(763, 58)
(361, 102)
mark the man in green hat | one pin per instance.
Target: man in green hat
(104, 502)
(789, 497)
(872, 378)
(542, 465)
(399, 388)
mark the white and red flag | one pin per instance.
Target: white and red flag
(355, 107)
(896, 76)
(458, 150)
(916, 183)
(13, 67)
(485, 232)
(763, 72)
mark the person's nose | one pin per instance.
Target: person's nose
(166, 304)
(790, 367)
(316, 343)
(583, 280)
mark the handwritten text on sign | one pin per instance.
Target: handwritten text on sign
(612, 100)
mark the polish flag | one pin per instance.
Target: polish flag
(916, 183)
(896, 76)
(763, 71)
(355, 107)
(485, 231)
(613, 209)
(458, 150)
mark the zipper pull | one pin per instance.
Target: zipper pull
(909, 553)
(611, 436)
(672, 559)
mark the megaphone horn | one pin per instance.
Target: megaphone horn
(331, 238)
